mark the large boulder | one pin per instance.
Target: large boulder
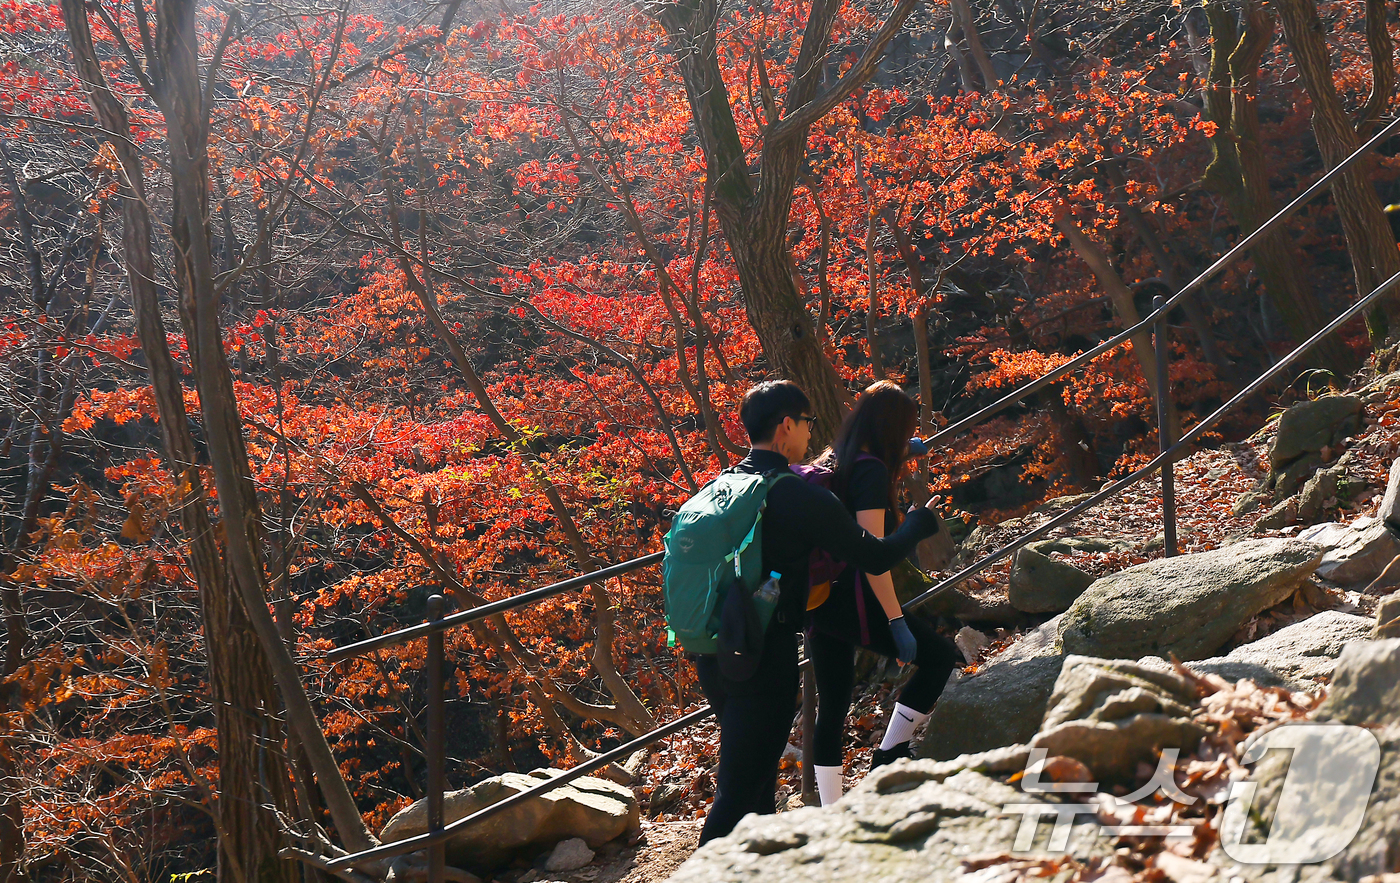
(1365, 686)
(1308, 427)
(1323, 490)
(1356, 552)
(1002, 704)
(1365, 693)
(1188, 605)
(910, 822)
(1040, 584)
(593, 810)
(1299, 656)
(911, 582)
(1114, 714)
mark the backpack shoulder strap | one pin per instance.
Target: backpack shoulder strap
(770, 478)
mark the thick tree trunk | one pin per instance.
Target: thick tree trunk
(967, 19)
(754, 213)
(1374, 257)
(175, 72)
(1238, 172)
(251, 765)
(1076, 445)
(782, 323)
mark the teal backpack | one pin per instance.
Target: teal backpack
(715, 543)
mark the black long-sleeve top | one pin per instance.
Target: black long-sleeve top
(800, 517)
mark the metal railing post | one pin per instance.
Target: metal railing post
(1161, 342)
(809, 730)
(437, 759)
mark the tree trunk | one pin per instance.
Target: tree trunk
(1374, 257)
(1238, 173)
(872, 310)
(1153, 243)
(1122, 298)
(175, 72)
(253, 782)
(754, 213)
(967, 19)
(783, 325)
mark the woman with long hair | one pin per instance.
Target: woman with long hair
(861, 610)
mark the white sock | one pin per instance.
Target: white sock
(903, 722)
(828, 783)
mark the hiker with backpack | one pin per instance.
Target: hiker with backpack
(862, 468)
(748, 532)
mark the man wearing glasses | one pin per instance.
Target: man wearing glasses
(755, 715)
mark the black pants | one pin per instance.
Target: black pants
(834, 661)
(755, 720)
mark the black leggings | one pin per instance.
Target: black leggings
(755, 720)
(834, 661)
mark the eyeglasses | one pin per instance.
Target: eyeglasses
(810, 418)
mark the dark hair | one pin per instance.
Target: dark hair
(767, 404)
(880, 424)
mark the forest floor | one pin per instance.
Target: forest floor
(677, 786)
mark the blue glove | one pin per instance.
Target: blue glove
(906, 648)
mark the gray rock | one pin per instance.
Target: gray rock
(1040, 584)
(1308, 427)
(1071, 545)
(1299, 654)
(1001, 705)
(1317, 492)
(1356, 552)
(1188, 605)
(906, 822)
(1248, 502)
(594, 810)
(937, 551)
(1389, 511)
(1059, 504)
(1113, 715)
(569, 855)
(1365, 685)
(1291, 477)
(1387, 618)
(910, 582)
(1281, 515)
(1365, 692)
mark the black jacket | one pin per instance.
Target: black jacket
(800, 517)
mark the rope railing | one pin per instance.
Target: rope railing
(432, 841)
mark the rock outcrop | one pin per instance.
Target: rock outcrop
(1365, 693)
(914, 821)
(592, 810)
(1299, 656)
(1002, 704)
(959, 819)
(1305, 431)
(1356, 552)
(1189, 605)
(1113, 715)
(1040, 584)
(1387, 623)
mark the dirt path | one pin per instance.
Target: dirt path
(661, 850)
